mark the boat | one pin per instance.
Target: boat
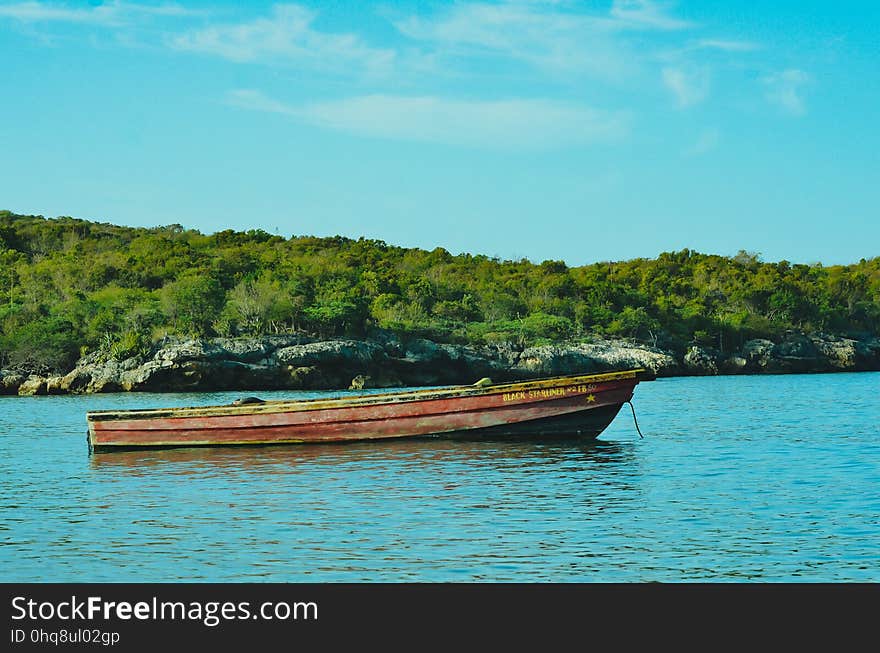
(563, 406)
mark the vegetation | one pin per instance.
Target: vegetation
(68, 287)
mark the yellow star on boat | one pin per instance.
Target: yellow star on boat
(591, 398)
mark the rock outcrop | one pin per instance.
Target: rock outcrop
(550, 360)
(33, 385)
(10, 382)
(384, 360)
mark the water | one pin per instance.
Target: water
(771, 478)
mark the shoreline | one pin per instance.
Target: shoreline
(304, 362)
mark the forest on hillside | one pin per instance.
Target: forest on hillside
(69, 287)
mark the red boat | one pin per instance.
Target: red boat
(580, 406)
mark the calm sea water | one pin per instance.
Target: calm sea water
(771, 478)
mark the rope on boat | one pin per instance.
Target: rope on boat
(633, 408)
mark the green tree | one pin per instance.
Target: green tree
(193, 303)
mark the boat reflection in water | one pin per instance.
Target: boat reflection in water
(429, 451)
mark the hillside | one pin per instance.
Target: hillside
(71, 287)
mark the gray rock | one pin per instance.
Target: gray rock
(389, 341)
(10, 382)
(620, 354)
(188, 350)
(78, 379)
(734, 365)
(796, 346)
(235, 375)
(53, 385)
(301, 362)
(106, 377)
(306, 378)
(424, 351)
(702, 360)
(548, 360)
(551, 360)
(248, 351)
(130, 364)
(868, 354)
(257, 350)
(757, 353)
(152, 375)
(504, 355)
(846, 354)
(33, 385)
(796, 353)
(332, 353)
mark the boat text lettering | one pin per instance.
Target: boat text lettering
(546, 393)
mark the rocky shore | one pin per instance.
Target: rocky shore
(302, 362)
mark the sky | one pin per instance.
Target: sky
(575, 131)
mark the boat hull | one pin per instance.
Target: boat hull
(562, 407)
(587, 424)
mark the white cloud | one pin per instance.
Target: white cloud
(727, 45)
(496, 124)
(547, 40)
(690, 86)
(31, 12)
(109, 14)
(286, 36)
(623, 44)
(549, 36)
(784, 89)
(646, 14)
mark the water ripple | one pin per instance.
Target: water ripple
(748, 478)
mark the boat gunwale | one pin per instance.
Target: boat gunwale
(374, 399)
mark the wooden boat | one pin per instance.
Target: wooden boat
(572, 406)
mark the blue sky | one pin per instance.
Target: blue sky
(582, 131)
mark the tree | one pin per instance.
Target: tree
(193, 303)
(259, 306)
(113, 289)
